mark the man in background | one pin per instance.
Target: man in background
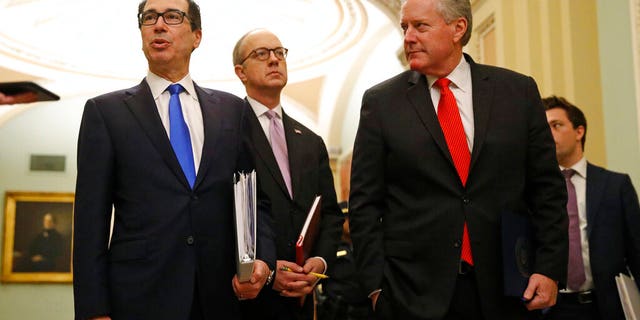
(604, 223)
(441, 153)
(163, 154)
(293, 167)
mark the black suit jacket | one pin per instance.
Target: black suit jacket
(310, 176)
(408, 206)
(165, 235)
(613, 224)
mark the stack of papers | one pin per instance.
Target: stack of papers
(245, 207)
(629, 296)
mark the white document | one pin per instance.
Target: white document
(245, 207)
(629, 296)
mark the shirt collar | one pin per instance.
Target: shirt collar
(159, 85)
(260, 109)
(579, 167)
(460, 76)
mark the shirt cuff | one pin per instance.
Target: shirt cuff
(374, 292)
(323, 262)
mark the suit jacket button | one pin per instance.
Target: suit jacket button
(465, 200)
(190, 240)
(457, 243)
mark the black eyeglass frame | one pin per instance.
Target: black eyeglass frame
(285, 51)
(161, 14)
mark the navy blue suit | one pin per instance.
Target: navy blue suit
(166, 236)
(613, 230)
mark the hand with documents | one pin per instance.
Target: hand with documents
(293, 280)
(251, 273)
(298, 279)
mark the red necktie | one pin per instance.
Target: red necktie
(451, 123)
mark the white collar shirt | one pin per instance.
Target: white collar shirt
(190, 110)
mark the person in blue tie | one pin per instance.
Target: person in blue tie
(162, 154)
(292, 164)
(604, 219)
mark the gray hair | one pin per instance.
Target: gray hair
(454, 9)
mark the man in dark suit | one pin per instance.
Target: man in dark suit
(607, 221)
(293, 167)
(172, 250)
(441, 152)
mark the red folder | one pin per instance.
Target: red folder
(309, 232)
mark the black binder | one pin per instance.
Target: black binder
(518, 252)
(11, 88)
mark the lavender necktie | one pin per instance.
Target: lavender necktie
(279, 147)
(575, 276)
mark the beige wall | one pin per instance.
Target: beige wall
(555, 42)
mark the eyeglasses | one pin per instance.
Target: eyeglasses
(170, 17)
(263, 54)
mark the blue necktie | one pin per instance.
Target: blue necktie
(179, 134)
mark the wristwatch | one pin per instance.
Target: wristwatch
(270, 278)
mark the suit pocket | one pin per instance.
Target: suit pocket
(127, 251)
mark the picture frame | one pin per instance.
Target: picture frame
(37, 242)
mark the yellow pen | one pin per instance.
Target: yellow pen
(317, 275)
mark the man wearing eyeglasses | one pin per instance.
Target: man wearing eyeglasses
(293, 167)
(163, 155)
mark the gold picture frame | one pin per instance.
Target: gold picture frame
(38, 231)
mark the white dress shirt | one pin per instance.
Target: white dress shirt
(190, 110)
(261, 112)
(461, 88)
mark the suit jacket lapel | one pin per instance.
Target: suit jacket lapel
(212, 118)
(420, 98)
(595, 190)
(143, 107)
(482, 102)
(294, 142)
(263, 149)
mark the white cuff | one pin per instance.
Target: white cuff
(325, 264)
(374, 292)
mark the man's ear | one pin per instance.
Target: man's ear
(460, 27)
(198, 38)
(239, 69)
(579, 133)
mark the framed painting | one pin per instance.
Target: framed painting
(37, 243)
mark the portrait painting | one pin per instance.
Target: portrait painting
(37, 243)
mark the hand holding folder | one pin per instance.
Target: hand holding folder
(518, 252)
